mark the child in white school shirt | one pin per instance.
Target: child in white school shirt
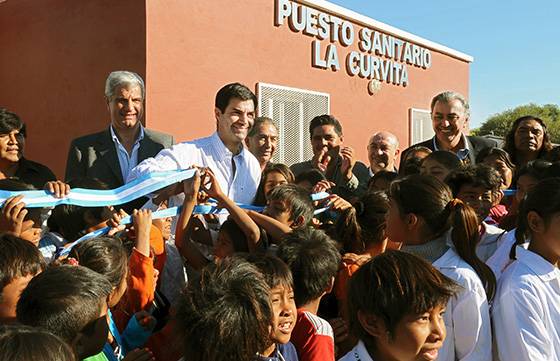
(526, 311)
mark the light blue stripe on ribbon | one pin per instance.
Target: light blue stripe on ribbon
(509, 192)
(140, 187)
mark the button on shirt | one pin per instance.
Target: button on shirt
(467, 318)
(240, 186)
(526, 312)
(127, 161)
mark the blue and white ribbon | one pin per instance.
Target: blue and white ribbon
(140, 187)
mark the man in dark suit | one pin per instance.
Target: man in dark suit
(110, 154)
(450, 115)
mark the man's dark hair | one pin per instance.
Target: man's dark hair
(19, 258)
(313, 259)
(297, 200)
(63, 300)
(226, 314)
(10, 121)
(23, 343)
(325, 119)
(233, 90)
(479, 175)
(393, 285)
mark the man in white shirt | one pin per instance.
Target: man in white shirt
(237, 170)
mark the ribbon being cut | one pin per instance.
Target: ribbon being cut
(140, 187)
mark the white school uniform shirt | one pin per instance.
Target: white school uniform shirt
(209, 152)
(467, 318)
(489, 240)
(500, 259)
(526, 312)
(358, 353)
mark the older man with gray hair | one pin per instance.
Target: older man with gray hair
(111, 154)
(383, 150)
(450, 115)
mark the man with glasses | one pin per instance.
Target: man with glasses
(450, 116)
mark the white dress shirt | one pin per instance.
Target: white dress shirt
(210, 152)
(500, 259)
(467, 319)
(489, 241)
(526, 312)
(127, 162)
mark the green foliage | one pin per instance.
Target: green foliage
(500, 124)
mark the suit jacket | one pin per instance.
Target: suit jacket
(476, 144)
(95, 156)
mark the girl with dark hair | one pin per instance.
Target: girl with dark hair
(526, 312)
(440, 163)
(272, 176)
(361, 231)
(444, 231)
(527, 140)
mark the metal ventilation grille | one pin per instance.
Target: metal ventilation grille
(291, 109)
(420, 125)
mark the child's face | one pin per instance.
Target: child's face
(435, 169)
(505, 172)
(416, 337)
(279, 211)
(224, 246)
(551, 233)
(10, 296)
(284, 309)
(273, 179)
(479, 198)
(524, 184)
(396, 226)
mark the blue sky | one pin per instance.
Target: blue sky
(515, 44)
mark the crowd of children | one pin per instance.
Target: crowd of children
(442, 261)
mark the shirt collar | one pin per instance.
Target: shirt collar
(221, 149)
(116, 139)
(463, 153)
(360, 353)
(540, 266)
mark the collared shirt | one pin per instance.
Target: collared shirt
(358, 353)
(463, 153)
(489, 239)
(240, 186)
(500, 260)
(127, 161)
(526, 312)
(467, 319)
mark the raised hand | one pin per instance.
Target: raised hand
(12, 216)
(348, 161)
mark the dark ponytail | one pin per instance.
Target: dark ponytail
(363, 224)
(431, 199)
(465, 237)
